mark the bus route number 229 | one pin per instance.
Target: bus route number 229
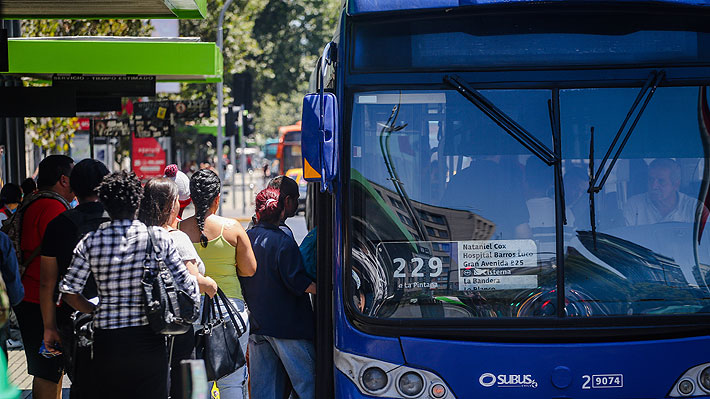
(434, 264)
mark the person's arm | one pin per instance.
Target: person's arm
(183, 279)
(47, 284)
(10, 269)
(73, 282)
(311, 288)
(191, 259)
(291, 269)
(244, 256)
(78, 302)
(207, 284)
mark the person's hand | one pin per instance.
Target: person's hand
(52, 341)
(210, 287)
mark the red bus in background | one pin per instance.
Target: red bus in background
(289, 150)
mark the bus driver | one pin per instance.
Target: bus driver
(662, 202)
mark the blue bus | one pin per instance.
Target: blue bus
(512, 199)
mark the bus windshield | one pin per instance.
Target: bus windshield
(454, 218)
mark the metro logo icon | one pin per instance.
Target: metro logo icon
(507, 380)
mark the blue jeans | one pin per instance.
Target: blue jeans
(273, 360)
(234, 386)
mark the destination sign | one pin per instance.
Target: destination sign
(495, 264)
(476, 265)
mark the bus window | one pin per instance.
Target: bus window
(649, 254)
(452, 216)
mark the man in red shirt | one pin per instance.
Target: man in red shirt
(53, 176)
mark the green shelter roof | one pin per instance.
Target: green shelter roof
(170, 60)
(93, 9)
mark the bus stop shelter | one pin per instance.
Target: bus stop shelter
(91, 74)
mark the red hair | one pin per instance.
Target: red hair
(268, 205)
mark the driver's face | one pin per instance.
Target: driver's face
(661, 185)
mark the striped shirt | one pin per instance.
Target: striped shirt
(115, 254)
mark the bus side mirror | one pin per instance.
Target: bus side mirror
(319, 128)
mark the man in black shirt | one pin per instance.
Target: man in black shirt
(60, 238)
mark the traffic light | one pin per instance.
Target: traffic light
(230, 123)
(241, 89)
(248, 125)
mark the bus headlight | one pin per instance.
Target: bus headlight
(377, 378)
(704, 378)
(686, 387)
(374, 379)
(694, 382)
(410, 384)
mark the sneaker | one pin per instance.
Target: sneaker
(14, 344)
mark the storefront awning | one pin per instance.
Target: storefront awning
(93, 9)
(184, 60)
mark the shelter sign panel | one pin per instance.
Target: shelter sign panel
(153, 119)
(110, 127)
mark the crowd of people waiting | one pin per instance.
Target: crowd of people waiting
(89, 260)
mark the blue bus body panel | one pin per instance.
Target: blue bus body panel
(356, 7)
(347, 337)
(648, 369)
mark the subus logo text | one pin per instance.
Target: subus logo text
(507, 380)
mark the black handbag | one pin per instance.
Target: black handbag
(170, 310)
(217, 341)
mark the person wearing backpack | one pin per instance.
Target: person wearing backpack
(10, 198)
(11, 277)
(26, 229)
(60, 238)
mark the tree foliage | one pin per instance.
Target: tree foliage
(277, 42)
(68, 27)
(52, 134)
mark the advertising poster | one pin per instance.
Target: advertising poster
(148, 158)
(81, 145)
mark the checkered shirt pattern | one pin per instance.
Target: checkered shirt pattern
(115, 254)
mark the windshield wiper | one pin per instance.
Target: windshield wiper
(654, 79)
(387, 129)
(502, 119)
(652, 82)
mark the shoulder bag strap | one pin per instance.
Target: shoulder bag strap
(232, 311)
(206, 310)
(166, 276)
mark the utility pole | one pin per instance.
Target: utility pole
(243, 159)
(220, 100)
(232, 157)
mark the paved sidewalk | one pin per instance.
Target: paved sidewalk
(17, 373)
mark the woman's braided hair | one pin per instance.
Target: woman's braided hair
(204, 188)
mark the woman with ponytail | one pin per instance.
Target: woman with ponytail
(224, 247)
(281, 343)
